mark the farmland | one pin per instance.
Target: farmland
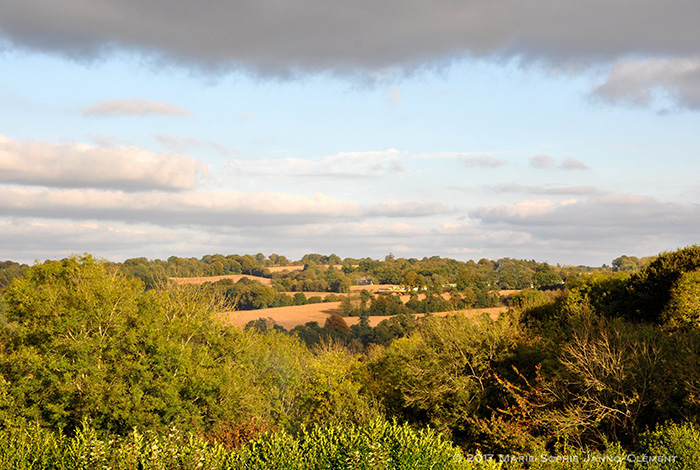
(95, 356)
(289, 317)
(294, 315)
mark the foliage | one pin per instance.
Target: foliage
(683, 307)
(441, 374)
(102, 369)
(10, 270)
(88, 342)
(378, 444)
(682, 442)
(650, 289)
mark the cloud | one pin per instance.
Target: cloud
(69, 165)
(133, 107)
(483, 162)
(185, 144)
(601, 217)
(545, 190)
(407, 209)
(473, 158)
(639, 82)
(573, 164)
(343, 164)
(541, 161)
(545, 161)
(281, 38)
(25, 240)
(204, 208)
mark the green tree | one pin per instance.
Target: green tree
(86, 341)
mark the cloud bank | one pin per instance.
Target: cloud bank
(276, 36)
(74, 165)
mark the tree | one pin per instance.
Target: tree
(545, 277)
(87, 342)
(626, 263)
(650, 289)
(683, 307)
(336, 326)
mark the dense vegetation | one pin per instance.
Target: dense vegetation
(99, 369)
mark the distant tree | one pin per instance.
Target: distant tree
(626, 263)
(545, 277)
(336, 326)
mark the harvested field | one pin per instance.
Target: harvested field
(233, 277)
(289, 317)
(300, 267)
(506, 292)
(493, 312)
(373, 287)
(308, 295)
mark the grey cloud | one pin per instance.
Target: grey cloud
(133, 107)
(279, 37)
(545, 161)
(407, 209)
(26, 240)
(573, 164)
(591, 232)
(483, 162)
(541, 161)
(605, 217)
(68, 165)
(639, 82)
(545, 190)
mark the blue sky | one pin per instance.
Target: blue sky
(566, 132)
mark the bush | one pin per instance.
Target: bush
(679, 441)
(377, 445)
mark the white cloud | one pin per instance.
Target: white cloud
(133, 107)
(343, 164)
(82, 165)
(205, 208)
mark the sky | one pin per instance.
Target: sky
(557, 130)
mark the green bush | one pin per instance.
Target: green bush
(680, 442)
(377, 445)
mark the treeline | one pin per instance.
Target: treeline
(505, 273)
(607, 365)
(332, 274)
(10, 270)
